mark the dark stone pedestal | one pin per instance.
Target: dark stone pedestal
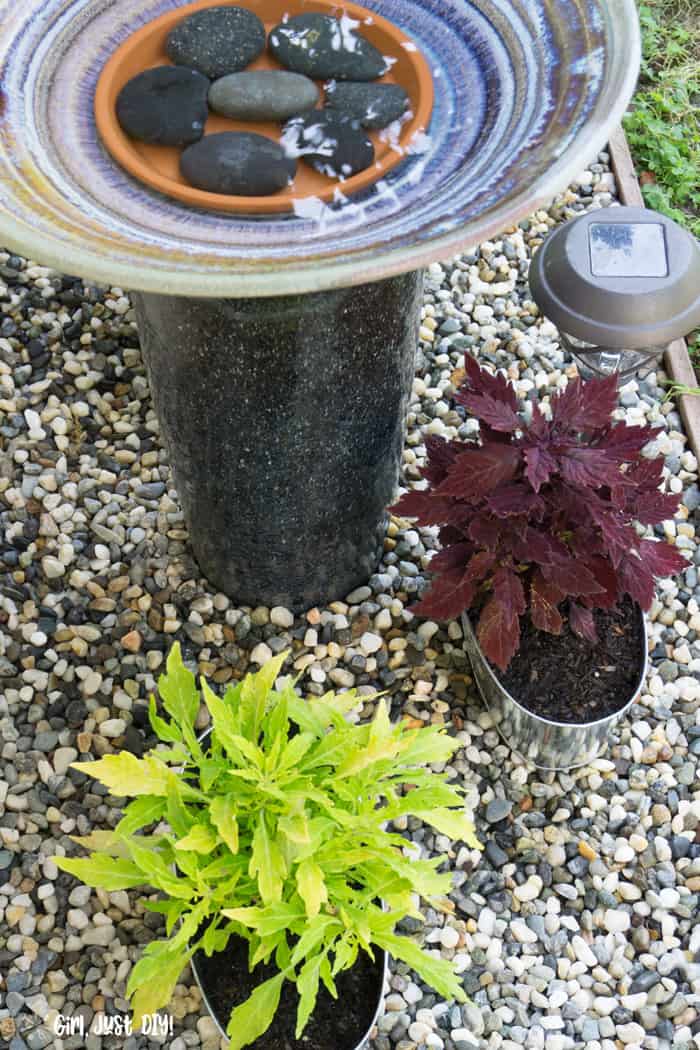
(283, 420)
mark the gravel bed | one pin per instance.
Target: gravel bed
(577, 926)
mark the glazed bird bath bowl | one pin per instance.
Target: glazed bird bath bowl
(280, 349)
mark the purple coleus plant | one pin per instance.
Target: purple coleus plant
(538, 517)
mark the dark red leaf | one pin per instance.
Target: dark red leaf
(508, 589)
(516, 498)
(637, 581)
(441, 454)
(498, 633)
(455, 556)
(588, 467)
(449, 595)
(496, 414)
(585, 405)
(651, 508)
(485, 530)
(450, 534)
(539, 547)
(646, 474)
(571, 577)
(479, 565)
(661, 559)
(606, 577)
(482, 382)
(618, 537)
(540, 465)
(544, 599)
(539, 425)
(479, 471)
(498, 437)
(582, 623)
(624, 442)
(425, 506)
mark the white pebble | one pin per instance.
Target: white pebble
(449, 937)
(617, 920)
(281, 617)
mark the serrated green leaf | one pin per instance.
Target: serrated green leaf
(296, 829)
(171, 909)
(145, 810)
(107, 873)
(150, 993)
(262, 951)
(311, 886)
(327, 976)
(320, 930)
(255, 691)
(159, 873)
(451, 822)
(428, 746)
(250, 916)
(190, 925)
(126, 775)
(253, 1017)
(331, 750)
(104, 842)
(225, 727)
(178, 690)
(223, 812)
(346, 951)
(295, 750)
(276, 729)
(267, 862)
(199, 839)
(307, 986)
(166, 731)
(435, 796)
(177, 815)
(438, 973)
(209, 771)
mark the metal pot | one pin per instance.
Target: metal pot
(544, 743)
(363, 1043)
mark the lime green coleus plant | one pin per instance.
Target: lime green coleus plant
(272, 828)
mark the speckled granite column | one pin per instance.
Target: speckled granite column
(283, 420)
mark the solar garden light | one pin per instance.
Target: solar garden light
(620, 284)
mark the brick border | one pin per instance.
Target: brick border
(676, 358)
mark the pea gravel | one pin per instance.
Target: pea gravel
(576, 927)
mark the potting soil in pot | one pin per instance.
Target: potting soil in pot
(335, 1024)
(566, 679)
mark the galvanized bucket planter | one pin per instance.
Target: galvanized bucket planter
(363, 1043)
(544, 743)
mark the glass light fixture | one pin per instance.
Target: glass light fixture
(620, 284)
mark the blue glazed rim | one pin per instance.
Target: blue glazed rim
(527, 92)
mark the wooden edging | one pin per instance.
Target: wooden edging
(677, 360)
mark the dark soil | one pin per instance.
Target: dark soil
(335, 1024)
(566, 679)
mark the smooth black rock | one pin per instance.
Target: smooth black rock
(329, 144)
(325, 48)
(217, 40)
(263, 94)
(237, 162)
(166, 106)
(372, 105)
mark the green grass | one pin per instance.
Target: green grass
(663, 122)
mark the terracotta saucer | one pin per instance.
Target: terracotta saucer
(158, 166)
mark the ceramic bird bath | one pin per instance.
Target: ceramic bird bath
(280, 348)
